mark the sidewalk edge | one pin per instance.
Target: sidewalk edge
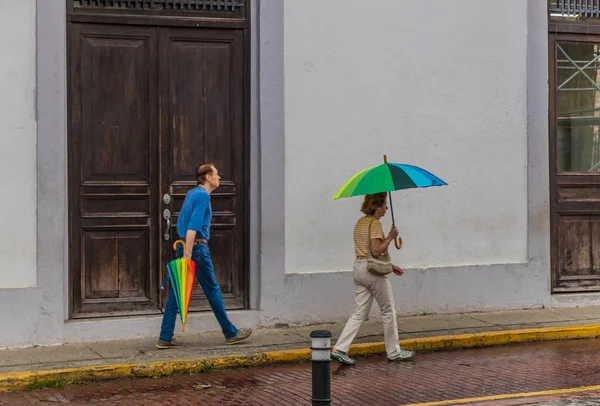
(33, 379)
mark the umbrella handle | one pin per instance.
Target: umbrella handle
(178, 242)
(398, 242)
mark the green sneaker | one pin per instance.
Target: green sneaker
(342, 357)
(404, 354)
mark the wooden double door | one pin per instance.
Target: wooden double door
(148, 104)
(575, 161)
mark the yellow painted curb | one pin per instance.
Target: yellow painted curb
(509, 396)
(35, 379)
(488, 339)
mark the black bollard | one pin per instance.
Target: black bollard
(321, 359)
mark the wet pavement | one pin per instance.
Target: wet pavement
(430, 377)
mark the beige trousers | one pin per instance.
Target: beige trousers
(366, 287)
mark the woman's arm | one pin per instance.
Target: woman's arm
(379, 246)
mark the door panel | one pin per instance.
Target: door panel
(579, 248)
(113, 181)
(201, 86)
(116, 115)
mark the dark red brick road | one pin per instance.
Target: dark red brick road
(430, 377)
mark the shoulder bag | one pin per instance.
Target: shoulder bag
(381, 265)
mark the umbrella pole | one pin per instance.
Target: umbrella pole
(391, 208)
(390, 196)
(397, 240)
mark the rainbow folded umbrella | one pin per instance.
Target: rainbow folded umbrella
(388, 177)
(182, 274)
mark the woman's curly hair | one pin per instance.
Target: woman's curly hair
(372, 202)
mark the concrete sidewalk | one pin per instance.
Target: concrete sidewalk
(205, 352)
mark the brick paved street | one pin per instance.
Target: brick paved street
(430, 377)
(574, 402)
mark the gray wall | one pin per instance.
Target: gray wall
(272, 154)
(310, 297)
(40, 312)
(36, 315)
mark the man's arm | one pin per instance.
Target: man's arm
(200, 205)
(190, 236)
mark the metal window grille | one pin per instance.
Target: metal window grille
(199, 5)
(575, 8)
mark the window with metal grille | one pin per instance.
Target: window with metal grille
(192, 5)
(574, 9)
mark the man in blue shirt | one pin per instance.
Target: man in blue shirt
(193, 225)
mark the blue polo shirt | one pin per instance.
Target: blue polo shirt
(195, 214)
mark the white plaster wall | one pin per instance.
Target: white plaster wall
(36, 315)
(18, 144)
(447, 94)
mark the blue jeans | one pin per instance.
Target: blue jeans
(205, 273)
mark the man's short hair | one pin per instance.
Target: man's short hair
(203, 170)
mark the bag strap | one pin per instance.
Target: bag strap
(369, 237)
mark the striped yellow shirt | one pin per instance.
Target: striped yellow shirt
(362, 244)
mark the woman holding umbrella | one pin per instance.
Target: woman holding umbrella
(370, 245)
(370, 241)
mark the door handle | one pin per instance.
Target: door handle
(167, 216)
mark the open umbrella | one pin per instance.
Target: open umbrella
(386, 178)
(182, 274)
